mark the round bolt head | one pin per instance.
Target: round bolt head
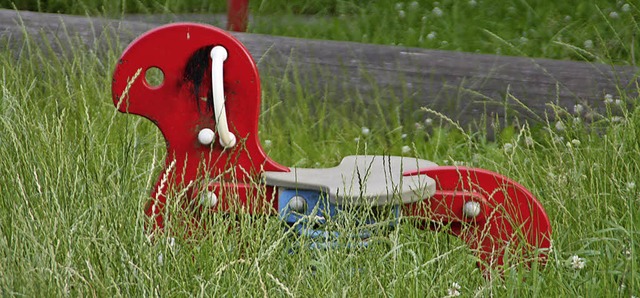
(232, 141)
(208, 199)
(219, 51)
(206, 136)
(471, 209)
(298, 204)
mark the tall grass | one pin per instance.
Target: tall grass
(115, 8)
(75, 175)
(599, 31)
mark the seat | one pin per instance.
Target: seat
(372, 180)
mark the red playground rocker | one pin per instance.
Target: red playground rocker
(207, 108)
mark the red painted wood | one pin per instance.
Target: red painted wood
(237, 15)
(179, 116)
(512, 221)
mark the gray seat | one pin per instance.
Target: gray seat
(372, 180)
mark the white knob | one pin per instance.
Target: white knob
(298, 204)
(471, 209)
(219, 52)
(230, 142)
(206, 136)
(208, 199)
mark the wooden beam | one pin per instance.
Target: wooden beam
(463, 86)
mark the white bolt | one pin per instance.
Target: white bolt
(206, 136)
(219, 51)
(298, 204)
(208, 199)
(230, 143)
(471, 209)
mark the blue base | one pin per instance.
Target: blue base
(319, 215)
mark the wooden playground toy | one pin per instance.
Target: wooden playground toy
(207, 106)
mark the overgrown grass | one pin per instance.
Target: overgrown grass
(75, 175)
(115, 8)
(600, 31)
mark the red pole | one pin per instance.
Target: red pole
(237, 15)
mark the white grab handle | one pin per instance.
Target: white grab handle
(218, 56)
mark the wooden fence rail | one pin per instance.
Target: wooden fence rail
(461, 85)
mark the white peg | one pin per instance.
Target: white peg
(206, 136)
(471, 209)
(208, 199)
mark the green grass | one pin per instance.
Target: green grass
(600, 31)
(75, 173)
(115, 8)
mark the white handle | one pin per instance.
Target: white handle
(218, 56)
